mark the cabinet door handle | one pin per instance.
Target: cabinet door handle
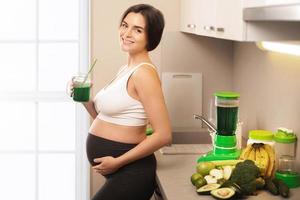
(191, 26)
(209, 28)
(220, 29)
(182, 76)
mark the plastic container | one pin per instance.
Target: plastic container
(287, 171)
(287, 163)
(285, 142)
(260, 136)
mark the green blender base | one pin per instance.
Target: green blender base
(210, 156)
(224, 149)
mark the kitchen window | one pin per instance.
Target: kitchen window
(42, 132)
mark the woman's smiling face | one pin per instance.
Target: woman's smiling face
(132, 32)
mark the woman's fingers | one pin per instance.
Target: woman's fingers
(92, 84)
(70, 88)
(98, 167)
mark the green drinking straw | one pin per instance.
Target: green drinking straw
(87, 75)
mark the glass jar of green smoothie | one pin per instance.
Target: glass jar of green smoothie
(81, 88)
(227, 112)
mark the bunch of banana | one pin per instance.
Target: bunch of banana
(263, 155)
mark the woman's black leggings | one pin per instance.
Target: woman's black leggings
(135, 181)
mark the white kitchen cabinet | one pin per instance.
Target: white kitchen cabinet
(229, 20)
(213, 18)
(224, 19)
(189, 15)
(207, 18)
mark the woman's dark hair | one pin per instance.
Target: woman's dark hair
(155, 23)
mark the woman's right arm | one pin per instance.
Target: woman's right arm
(90, 107)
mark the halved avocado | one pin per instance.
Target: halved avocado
(222, 181)
(223, 193)
(237, 189)
(207, 188)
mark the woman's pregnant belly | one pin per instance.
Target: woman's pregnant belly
(119, 133)
(97, 147)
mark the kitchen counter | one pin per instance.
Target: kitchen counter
(173, 178)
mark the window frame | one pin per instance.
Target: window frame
(82, 120)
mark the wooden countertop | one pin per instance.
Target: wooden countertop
(173, 177)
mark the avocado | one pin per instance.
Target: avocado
(207, 188)
(223, 193)
(237, 189)
(271, 187)
(227, 172)
(221, 181)
(234, 186)
(282, 187)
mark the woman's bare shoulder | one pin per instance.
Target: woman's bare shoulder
(146, 74)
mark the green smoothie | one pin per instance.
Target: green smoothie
(226, 120)
(81, 92)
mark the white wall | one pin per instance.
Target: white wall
(269, 84)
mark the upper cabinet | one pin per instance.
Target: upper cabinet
(224, 19)
(229, 19)
(206, 21)
(188, 17)
(213, 18)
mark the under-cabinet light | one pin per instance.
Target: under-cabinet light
(292, 48)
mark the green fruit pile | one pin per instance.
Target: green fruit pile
(204, 168)
(198, 180)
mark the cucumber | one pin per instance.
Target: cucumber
(271, 187)
(283, 189)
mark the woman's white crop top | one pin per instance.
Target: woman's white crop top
(113, 103)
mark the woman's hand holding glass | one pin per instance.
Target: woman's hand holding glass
(79, 88)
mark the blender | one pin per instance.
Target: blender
(223, 136)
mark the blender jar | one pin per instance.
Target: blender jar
(227, 118)
(227, 112)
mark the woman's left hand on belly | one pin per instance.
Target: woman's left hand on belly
(107, 165)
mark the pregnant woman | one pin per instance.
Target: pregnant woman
(117, 146)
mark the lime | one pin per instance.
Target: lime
(195, 177)
(204, 168)
(200, 182)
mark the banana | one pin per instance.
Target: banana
(263, 155)
(257, 155)
(245, 152)
(258, 161)
(264, 159)
(252, 154)
(271, 153)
